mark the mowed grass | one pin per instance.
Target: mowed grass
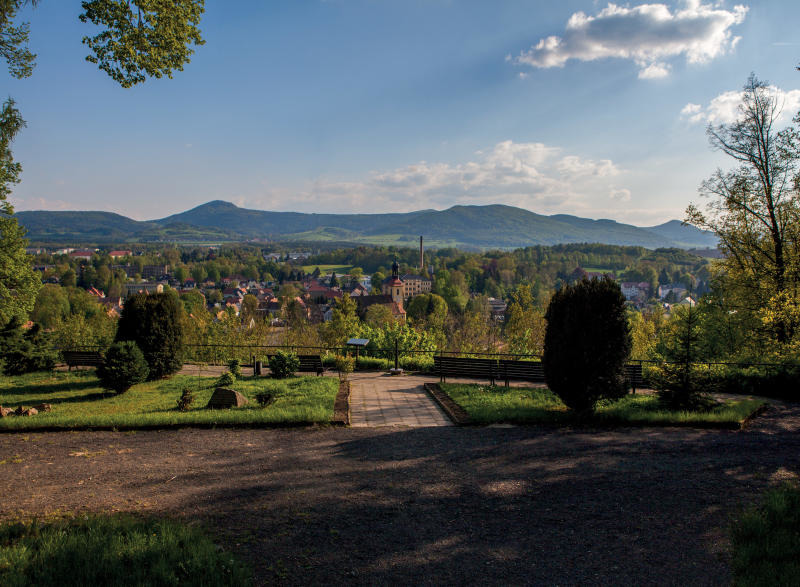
(328, 269)
(537, 405)
(766, 540)
(113, 550)
(79, 401)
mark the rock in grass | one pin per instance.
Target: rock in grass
(44, 407)
(5, 412)
(21, 411)
(223, 398)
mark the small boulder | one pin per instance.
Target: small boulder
(44, 408)
(5, 412)
(223, 398)
(28, 412)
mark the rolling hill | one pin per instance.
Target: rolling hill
(471, 227)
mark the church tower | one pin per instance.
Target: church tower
(395, 285)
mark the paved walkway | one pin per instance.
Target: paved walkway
(377, 399)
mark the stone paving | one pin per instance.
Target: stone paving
(377, 399)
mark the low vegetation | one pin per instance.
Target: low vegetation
(114, 550)
(78, 400)
(538, 405)
(766, 540)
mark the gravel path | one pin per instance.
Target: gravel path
(426, 505)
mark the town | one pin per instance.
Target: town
(388, 293)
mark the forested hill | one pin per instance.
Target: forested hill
(470, 227)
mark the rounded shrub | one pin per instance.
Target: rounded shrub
(283, 364)
(153, 322)
(235, 367)
(226, 379)
(124, 366)
(586, 344)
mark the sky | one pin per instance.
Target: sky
(588, 108)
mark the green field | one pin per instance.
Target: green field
(518, 405)
(328, 269)
(79, 401)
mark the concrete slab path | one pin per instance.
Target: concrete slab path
(377, 399)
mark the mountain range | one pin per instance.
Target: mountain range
(468, 227)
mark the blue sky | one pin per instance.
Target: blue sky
(577, 107)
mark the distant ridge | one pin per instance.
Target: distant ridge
(470, 227)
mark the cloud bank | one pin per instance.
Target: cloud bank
(535, 176)
(724, 108)
(648, 34)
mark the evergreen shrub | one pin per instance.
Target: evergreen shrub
(153, 322)
(124, 365)
(226, 379)
(283, 364)
(25, 351)
(235, 367)
(186, 400)
(586, 345)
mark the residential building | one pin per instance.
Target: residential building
(144, 287)
(81, 255)
(635, 291)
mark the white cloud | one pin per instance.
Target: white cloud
(620, 195)
(724, 108)
(691, 109)
(654, 71)
(647, 34)
(535, 176)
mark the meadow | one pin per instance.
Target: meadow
(537, 405)
(79, 401)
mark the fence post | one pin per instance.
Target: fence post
(396, 357)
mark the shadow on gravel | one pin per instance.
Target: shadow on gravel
(428, 505)
(486, 505)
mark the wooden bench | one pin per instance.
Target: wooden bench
(532, 371)
(634, 374)
(82, 358)
(308, 364)
(458, 367)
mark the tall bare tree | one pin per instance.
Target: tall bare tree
(754, 207)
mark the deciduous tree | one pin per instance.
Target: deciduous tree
(754, 208)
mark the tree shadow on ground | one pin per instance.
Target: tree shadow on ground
(46, 388)
(492, 505)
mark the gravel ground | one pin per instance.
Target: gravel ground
(426, 505)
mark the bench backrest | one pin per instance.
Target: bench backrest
(523, 370)
(466, 367)
(82, 358)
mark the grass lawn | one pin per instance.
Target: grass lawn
(523, 405)
(113, 550)
(766, 540)
(328, 269)
(79, 401)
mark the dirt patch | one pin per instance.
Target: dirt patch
(449, 505)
